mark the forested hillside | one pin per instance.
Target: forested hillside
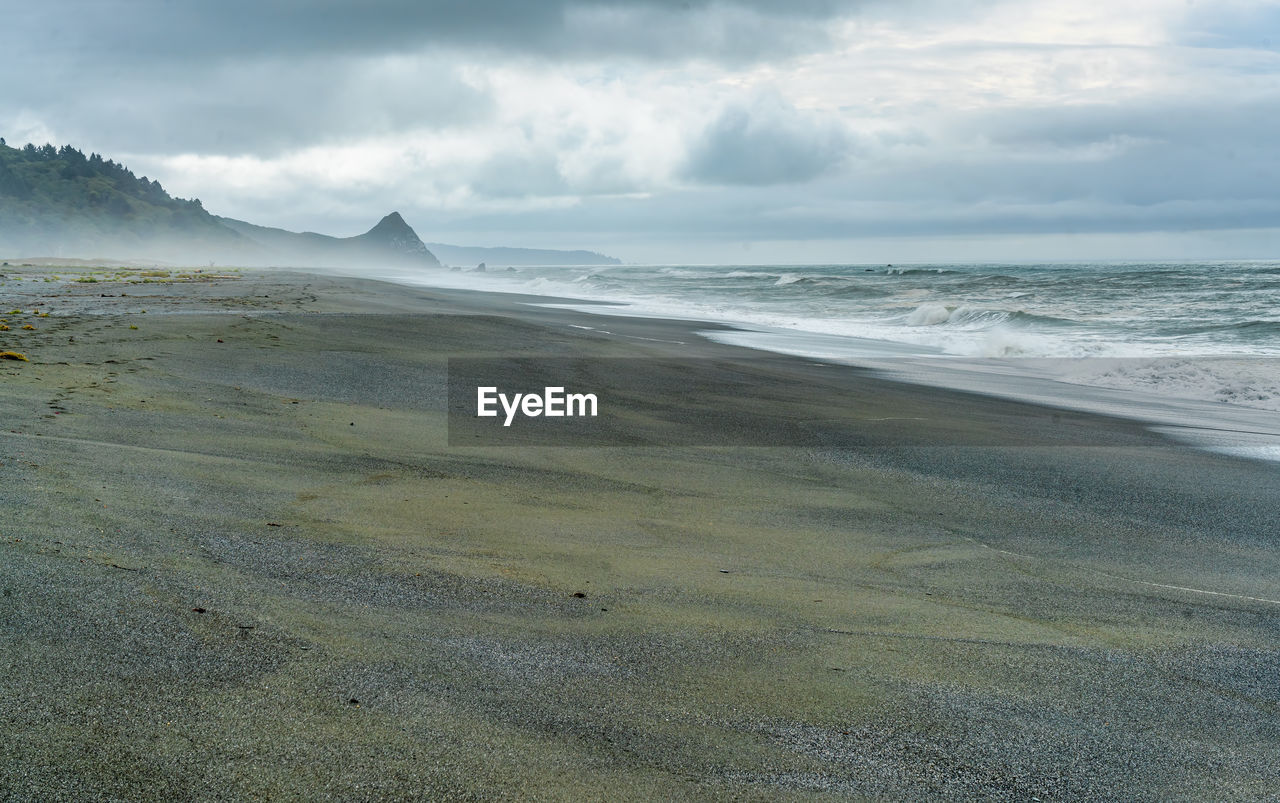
(60, 198)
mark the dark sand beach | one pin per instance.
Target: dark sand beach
(241, 560)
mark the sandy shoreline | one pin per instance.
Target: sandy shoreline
(241, 560)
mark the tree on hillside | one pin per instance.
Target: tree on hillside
(11, 183)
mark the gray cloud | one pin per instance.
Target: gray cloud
(1224, 26)
(258, 76)
(260, 107)
(147, 30)
(1141, 153)
(767, 142)
(519, 175)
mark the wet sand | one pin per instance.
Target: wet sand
(241, 560)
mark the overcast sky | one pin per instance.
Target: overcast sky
(686, 130)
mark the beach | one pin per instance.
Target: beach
(245, 557)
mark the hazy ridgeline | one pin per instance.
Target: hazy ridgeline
(59, 202)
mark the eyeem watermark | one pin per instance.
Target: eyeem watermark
(553, 403)
(750, 400)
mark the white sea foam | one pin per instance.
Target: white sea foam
(929, 315)
(1249, 382)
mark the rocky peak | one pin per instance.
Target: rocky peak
(393, 233)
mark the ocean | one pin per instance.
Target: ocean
(1188, 345)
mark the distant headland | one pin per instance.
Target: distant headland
(56, 201)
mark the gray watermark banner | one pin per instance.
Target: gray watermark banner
(767, 401)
